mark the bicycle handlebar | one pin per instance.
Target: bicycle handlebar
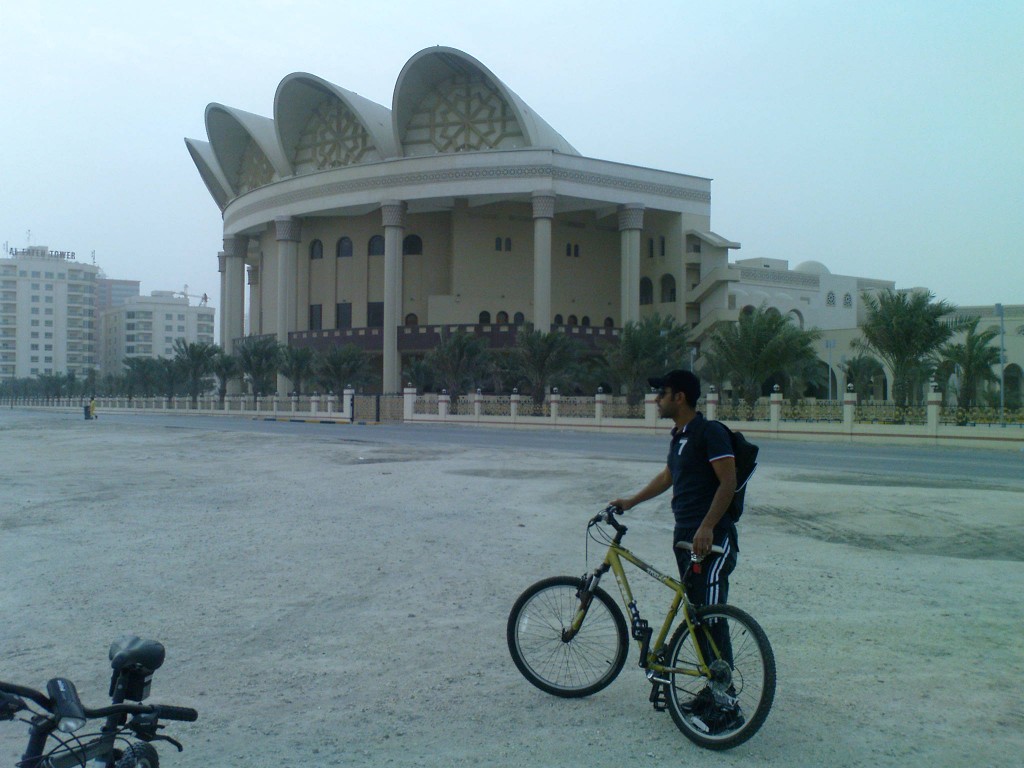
(165, 711)
(607, 515)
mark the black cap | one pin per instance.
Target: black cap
(679, 381)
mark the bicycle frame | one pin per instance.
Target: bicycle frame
(649, 652)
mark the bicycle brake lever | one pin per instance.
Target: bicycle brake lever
(162, 737)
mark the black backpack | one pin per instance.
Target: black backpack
(746, 462)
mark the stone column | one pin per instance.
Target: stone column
(712, 405)
(849, 408)
(543, 213)
(651, 409)
(255, 305)
(289, 232)
(393, 215)
(235, 247)
(775, 409)
(409, 403)
(933, 409)
(631, 222)
(222, 324)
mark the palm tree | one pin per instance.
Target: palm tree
(759, 345)
(195, 361)
(418, 373)
(258, 360)
(224, 367)
(170, 374)
(903, 329)
(645, 349)
(973, 358)
(297, 365)
(862, 371)
(141, 376)
(458, 362)
(540, 360)
(339, 367)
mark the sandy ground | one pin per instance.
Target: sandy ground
(328, 603)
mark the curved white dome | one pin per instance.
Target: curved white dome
(447, 101)
(812, 268)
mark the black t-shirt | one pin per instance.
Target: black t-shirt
(694, 481)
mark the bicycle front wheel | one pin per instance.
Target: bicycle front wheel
(727, 706)
(579, 666)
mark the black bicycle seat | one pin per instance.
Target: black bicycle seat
(130, 651)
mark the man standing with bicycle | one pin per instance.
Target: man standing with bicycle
(701, 471)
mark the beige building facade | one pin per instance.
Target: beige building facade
(458, 207)
(148, 326)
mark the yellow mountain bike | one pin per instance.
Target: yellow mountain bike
(716, 676)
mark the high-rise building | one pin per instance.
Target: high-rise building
(113, 293)
(47, 303)
(147, 326)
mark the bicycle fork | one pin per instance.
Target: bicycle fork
(585, 594)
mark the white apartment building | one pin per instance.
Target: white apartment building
(147, 326)
(46, 313)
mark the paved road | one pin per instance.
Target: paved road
(875, 460)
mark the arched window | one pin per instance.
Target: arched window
(830, 299)
(344, 248)
(585, 321)
(650, 247)
(412, 245)
(796, 317)
(646, 291)
(568, 249)
(497, 243)
(508, 243)
(573, 320)
(662, 242)
(609, 323)
(376, 246)
(668, 289)
(411, 319)
(501, 318)
(847, 301)
(518, 318)
(485, 318)
(576, 250)
(316, 250)
(558, 320)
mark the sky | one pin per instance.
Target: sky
(883, 139)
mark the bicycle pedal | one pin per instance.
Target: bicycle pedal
(659, 696)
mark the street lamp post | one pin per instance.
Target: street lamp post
(1002, 364)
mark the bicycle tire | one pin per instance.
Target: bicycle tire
(751, 676)
(138, 754)
(584, 665)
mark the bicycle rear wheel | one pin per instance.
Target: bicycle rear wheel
(729, 708)
(571, 668)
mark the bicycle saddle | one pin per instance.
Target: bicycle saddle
(130, 650)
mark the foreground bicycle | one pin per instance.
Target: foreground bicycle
(133, 662)
(716, 676)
